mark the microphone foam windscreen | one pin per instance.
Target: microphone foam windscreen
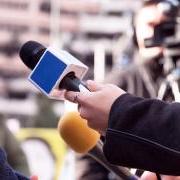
(31, 52)
(76, 133)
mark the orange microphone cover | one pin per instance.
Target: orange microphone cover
(76, 133)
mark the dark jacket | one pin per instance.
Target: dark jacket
(16, 157)
(144, 134)
(6, 172)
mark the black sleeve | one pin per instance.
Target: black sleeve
(6, 172)
(144, 134)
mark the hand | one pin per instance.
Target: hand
(95, 105)
(152, 176)
(34, 177)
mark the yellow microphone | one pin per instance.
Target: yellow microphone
(76, 133)
(82, 139)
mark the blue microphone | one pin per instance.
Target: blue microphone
(53, 71)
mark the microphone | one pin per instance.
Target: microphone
(82, 139)
(52, 71)
(76, 133)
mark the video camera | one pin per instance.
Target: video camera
(167, 34)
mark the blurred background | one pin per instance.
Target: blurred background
(93, 31)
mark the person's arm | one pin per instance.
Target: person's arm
(6, 172)
(140, 133)
(16, 156)
(144, 134)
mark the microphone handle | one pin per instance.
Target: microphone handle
(72, 83)
(121, 172)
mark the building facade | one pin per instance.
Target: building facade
(76, 25)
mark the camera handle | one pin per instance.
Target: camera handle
(172, 79)
(170, 83)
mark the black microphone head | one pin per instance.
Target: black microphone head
(31, 52)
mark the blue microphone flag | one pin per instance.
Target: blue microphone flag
(47, 72)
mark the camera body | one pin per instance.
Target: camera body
(167, 34)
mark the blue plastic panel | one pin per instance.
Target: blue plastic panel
(47, 72)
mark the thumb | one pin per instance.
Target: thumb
(79, 97)
(148, 176)
(94, 86)
(76, 97)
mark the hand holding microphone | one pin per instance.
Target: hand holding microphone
(54, 72)
(95, 105)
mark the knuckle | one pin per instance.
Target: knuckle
(82, 113)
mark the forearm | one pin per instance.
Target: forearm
(144, 133)
(147, 118)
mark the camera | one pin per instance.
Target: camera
(167, 33)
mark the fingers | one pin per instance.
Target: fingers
(94, 86)
(72, 96)
(76, 97)
(148, 176)
(34, 177)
